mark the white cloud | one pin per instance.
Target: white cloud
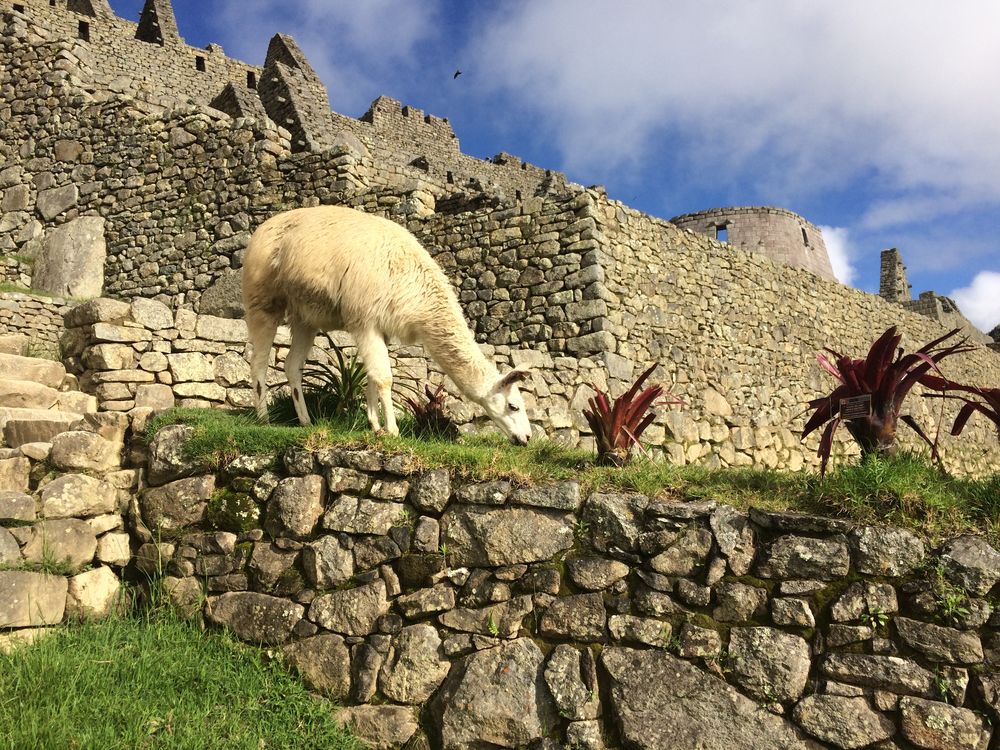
(980, 301)
(795, 96)
(841, 251)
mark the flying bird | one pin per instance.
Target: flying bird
(457, 74)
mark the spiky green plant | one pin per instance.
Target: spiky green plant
(333, 393)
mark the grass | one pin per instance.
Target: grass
(905, 490)
(155, 682)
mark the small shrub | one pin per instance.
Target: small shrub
(332, 393)
(886, 381)
(430, 416)
(617, 427)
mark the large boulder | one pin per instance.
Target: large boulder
(479, 536)
(415, 665)
(255, 618)
(661, 702)
(495, 698)
(71, 263)
(224, 299)
(30, 599)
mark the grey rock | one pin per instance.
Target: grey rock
(940, 643)
(351, 612)
(431, 491)
(789, 611)
(692, 594)
(769, 664)
(501, 620)
(255, 618)
(971, 563)
(324, 663)
(295, 507)
(864, 598)
(440, 598)
(15, 473)
(842, 721)
(78, 496)
(571, 676)
(649, 601)
(661, 702)
(427, 535)
(738, 602)
(614, 520)
(76, 450)
(938, 726)
(326, 563)
(699, 643)
(838, 636)
(177, 505)
(595, 573)
(480, 536)
(801, 523)
(892, 673)
(805, 557)
(381, 727)
(10, 550)
(585, 735)
(484, 493)
(16, 506)
(579, 618)
(71, 263)
(415, 666)
(268, 565)
(224, 299)
(31, 599)
(885, 551)
(686, 556)
(646, 630)
(736, 538)
(366, 663)
(495, 698)
(561, 496)
(370, 552)
(166, 456)
(68, 541)
(362, 516)
(52, 202)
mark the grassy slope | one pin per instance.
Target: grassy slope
(903, 491)
(155, 682)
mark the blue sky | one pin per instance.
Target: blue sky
(880, 122)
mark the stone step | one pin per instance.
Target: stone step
(20, 426)
(27, 394)
(44, 371)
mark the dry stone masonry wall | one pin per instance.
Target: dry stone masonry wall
(461, 613)
(580, 287)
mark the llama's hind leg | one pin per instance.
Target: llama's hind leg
(373, 352)
(260, 336)
(298, 352)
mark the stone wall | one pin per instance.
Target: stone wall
(40, 317)
(478, 613)
(775, 232)
(63, 543)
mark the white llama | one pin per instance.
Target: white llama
(332, 267)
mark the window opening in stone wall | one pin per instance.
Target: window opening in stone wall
(450, 177)
(52, 3)
(251, 80)
(517, 195)
(199, 63)
(722, 232)
(805, 237)
(18, 8)
(84, 31)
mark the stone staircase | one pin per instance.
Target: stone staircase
(38, 398)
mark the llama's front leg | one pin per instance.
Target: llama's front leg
(373, 352)
(302, 340)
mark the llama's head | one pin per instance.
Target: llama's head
(504, 404)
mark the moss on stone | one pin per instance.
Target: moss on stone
(232, 511)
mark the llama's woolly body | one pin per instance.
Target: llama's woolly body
(331, 267)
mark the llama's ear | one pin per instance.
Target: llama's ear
(519, 373)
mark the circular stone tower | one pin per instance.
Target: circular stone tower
(781, 235)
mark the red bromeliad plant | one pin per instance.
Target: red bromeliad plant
(618, 426)
(430, 417)
(886, 376)
(988, 406)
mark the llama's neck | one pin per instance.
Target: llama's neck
(454, 348)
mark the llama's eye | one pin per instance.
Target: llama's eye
(513, 407)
